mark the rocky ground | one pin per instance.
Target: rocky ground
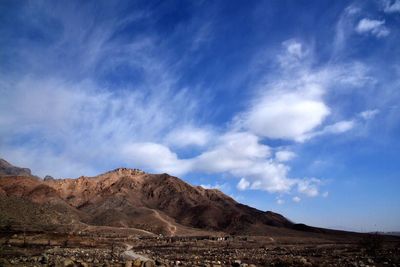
(19, 250)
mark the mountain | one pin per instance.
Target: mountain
(8, 169)
(130, 198)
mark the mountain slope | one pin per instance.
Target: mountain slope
(158, 203)
(7, 169)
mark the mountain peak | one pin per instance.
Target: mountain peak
(126, 171)
(131, 198)
(7, 168)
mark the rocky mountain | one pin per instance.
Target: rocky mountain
(8, 169)
(130, 198)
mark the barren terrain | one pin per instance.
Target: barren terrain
(126, 217)
(116, 247)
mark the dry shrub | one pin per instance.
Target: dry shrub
(371, 243)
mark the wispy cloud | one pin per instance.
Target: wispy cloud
(371, 26)
(59, 119)
(309, 187)
(369, 114)
(301, 108)
(77, 113)
(284, 155)
(189, 135)
(296, 95)
(127, 101)
(336, 128)
(296, 199)
(390, 6)
(243, 184)
(137, 127)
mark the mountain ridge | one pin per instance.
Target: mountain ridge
(7, 168)
(131, 198)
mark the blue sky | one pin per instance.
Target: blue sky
(290, 106)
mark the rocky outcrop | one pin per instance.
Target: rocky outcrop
(8, 169)
(131, 198)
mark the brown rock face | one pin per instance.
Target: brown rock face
(158, 203)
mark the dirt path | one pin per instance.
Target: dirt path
(129, 254)
(172, 228)
(91, 228)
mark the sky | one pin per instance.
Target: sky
(289, 106)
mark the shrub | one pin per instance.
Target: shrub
(372, 243)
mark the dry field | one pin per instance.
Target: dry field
(113, 248)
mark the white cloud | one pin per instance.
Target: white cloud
(309, 187)
(241, 154)
(293, 55)
(44, 161)
(325, 194)
(284, 155)
(294, 48)
(234, 150)
(85, 123)
(352, 9)
(189, 136)
(155, 157)
(95, 130)
(390, 6)
(339, 127)
(287, 114)
(350, 22)
(336, 128)
(354, 75)
(269, 176)
(280, 201)
(375, 27)
(296, 199)
(291, 105)
(243, 184)
(369, 114)
(342, 28)
(73, 116)
(296, 100)
(80, 127)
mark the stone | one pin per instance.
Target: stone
(69, 263)
(303, 260)
(137, 263)
(149, 264)
(44, 259)
(83, 264)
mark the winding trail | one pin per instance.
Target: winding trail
(172, 228)
(130, 255)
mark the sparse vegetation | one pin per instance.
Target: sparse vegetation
(169, 221)
(371, 244)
